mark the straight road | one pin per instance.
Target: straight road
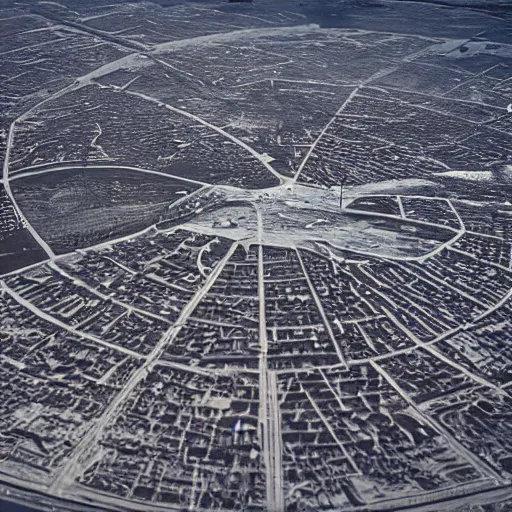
(89, 443)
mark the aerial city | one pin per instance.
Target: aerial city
(256, 256)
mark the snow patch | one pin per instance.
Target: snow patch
(470, 176)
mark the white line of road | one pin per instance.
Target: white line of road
(5, 178)
(41, 314)
(107, 167)
(473, 257)
(401, 206)
(475, 461)
(269, 413)
(86, 447)
(274, 434)
(234, 139)
(264, 435)
(82, 284)
(436, 353)
(323, 132)
(321, 310)
(490, 311)
(331, 431)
